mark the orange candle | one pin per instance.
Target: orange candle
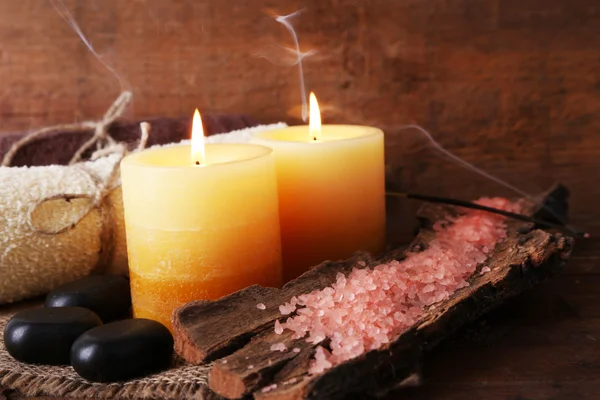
(331, 191)
(201, 222)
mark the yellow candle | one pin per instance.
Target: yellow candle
(331, 192)
(199, 231)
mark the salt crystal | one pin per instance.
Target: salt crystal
(296, 349)
(250, 366)
(430, 287)
(485, 270)
(224, 362)
(261, 306)
(279, 347)
(269, 388)
(320, 363)
(278, 328)
(287, 308)
(302, 299)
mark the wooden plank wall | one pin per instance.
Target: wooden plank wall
(512, 86)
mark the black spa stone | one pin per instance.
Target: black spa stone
(45, 335)
(106, 295)
(122, 350)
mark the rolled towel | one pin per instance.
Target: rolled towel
(58, 147)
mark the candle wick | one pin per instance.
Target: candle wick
(197, 162)
(315, 138)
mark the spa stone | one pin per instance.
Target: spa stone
(45, 335)
(106, 295)
(122, 350)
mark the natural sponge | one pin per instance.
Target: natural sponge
(34, 259)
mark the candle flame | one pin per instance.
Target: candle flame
(198, 152)
(314, 126)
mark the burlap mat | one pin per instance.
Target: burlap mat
(182, 381)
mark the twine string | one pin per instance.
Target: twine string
(101, 137)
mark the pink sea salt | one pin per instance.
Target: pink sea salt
(279, 347)
(485, 270)
(370, 307)
(321, 361)
(278, 328)
(290, 307)
(269, 388)
(261, 306)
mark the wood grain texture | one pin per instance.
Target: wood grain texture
(509, 85)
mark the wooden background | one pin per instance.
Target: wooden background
(511, 86)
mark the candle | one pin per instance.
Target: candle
(201, 222)
(331, 191)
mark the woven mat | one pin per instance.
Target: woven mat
(182, 381)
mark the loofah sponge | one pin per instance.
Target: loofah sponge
(33, 262)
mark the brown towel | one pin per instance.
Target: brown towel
(59, 147)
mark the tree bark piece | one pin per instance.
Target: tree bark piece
(244, 337)
(520, 262)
